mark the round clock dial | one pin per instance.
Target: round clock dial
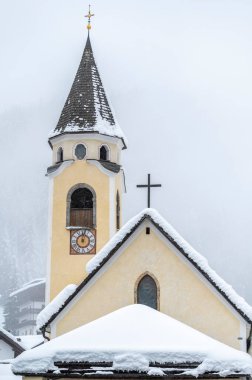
(83, 241)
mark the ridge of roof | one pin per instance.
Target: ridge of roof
(87, 108)
(194, 257)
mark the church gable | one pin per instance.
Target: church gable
(181, 290)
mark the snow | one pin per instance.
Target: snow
(195, 256)
(30, 341)
(133, 338)
(55, 305)
(29, 285)
(101, 126)
(6, 372)
(12, 337)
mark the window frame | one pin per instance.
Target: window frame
(138, 282)
(118, 211)
(62, 155)
(74, 148)
(68, 202)
(108, 152)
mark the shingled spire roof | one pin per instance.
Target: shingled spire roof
(87, 108)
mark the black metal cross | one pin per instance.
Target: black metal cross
(149, 189)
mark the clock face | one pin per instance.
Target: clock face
(82, 241)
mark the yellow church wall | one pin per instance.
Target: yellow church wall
(183, 294)
(66, 268)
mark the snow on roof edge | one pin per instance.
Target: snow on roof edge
(54, 306)
(28, 285)
(100, 129)
(195, 256)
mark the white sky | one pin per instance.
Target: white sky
(178, 73)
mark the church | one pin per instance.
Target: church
(123, 301)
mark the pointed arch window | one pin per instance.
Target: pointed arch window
(81, 206)
(104, 153)
(117, 210)
(60, 155)
(147, 292)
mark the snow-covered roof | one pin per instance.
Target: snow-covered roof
(22, 342)
(54, 305)
(12, 340)
(134, 339)
(200, 262)
(87, 108)
(30, 341)
(29, 285)
(184, 247)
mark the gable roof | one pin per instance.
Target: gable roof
(195, 258)
(12, 341)
(123, 341)
(87, 109)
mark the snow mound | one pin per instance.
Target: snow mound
(6, 372)
(54, 306)
(133, 338)
(192, 254)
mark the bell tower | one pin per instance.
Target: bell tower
(86, 177)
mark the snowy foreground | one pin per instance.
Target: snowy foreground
(135, 338)
(6, 372)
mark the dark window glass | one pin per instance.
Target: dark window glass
(147, 292)
(60, 155)
(82, 198)
(81, 213)
(80, 151)
(104, 153)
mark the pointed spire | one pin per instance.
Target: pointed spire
(87, 108)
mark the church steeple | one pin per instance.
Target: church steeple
(87, 108)
(86, 176)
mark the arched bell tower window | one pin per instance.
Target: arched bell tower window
(81, 206)
(117, 210)
(147, 292)
(59, 155)
(104, 153)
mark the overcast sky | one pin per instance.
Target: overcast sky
(178, 74)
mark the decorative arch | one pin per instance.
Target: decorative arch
(69, 198)
(59, 155)
(152, 287)
(104, 153)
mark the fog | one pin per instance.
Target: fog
(178, 74)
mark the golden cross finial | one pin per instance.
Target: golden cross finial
(89, 15)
